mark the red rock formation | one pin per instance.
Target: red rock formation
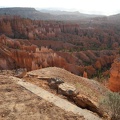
(106, 73)
(24, 54)
(97, 65)
(103, 61)
(85, 74)
(76, 35)
(90, 70)
(29, 57)
(6, 28)
(114, 81)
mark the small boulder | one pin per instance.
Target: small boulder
(54, 82)
(67, 89)
(20, 73)
(87, 103)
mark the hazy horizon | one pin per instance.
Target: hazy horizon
(103, 7)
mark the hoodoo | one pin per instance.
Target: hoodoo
(114, 81)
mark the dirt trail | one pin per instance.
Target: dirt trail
(61, 103)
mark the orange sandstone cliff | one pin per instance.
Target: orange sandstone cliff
(114, 81)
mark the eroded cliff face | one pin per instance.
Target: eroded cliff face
(114, 81)
(24, 54)
(30, 57)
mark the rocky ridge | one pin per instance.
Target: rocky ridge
(75, 88)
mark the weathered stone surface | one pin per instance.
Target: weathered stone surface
(67, 89)
(21, 72)
(55, 82)
(86, 102)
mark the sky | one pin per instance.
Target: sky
(105, 7)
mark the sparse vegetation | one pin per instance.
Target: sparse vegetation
(112, 105)
(86, 90)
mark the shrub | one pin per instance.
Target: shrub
(112, 103)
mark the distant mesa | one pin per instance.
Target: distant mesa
(25, 12)
(43, 14)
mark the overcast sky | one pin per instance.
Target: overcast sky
(106, 7)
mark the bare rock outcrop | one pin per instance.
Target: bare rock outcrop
(83, 92)
(85, 102)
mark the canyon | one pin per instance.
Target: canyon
(72, 56)
(85, 50)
